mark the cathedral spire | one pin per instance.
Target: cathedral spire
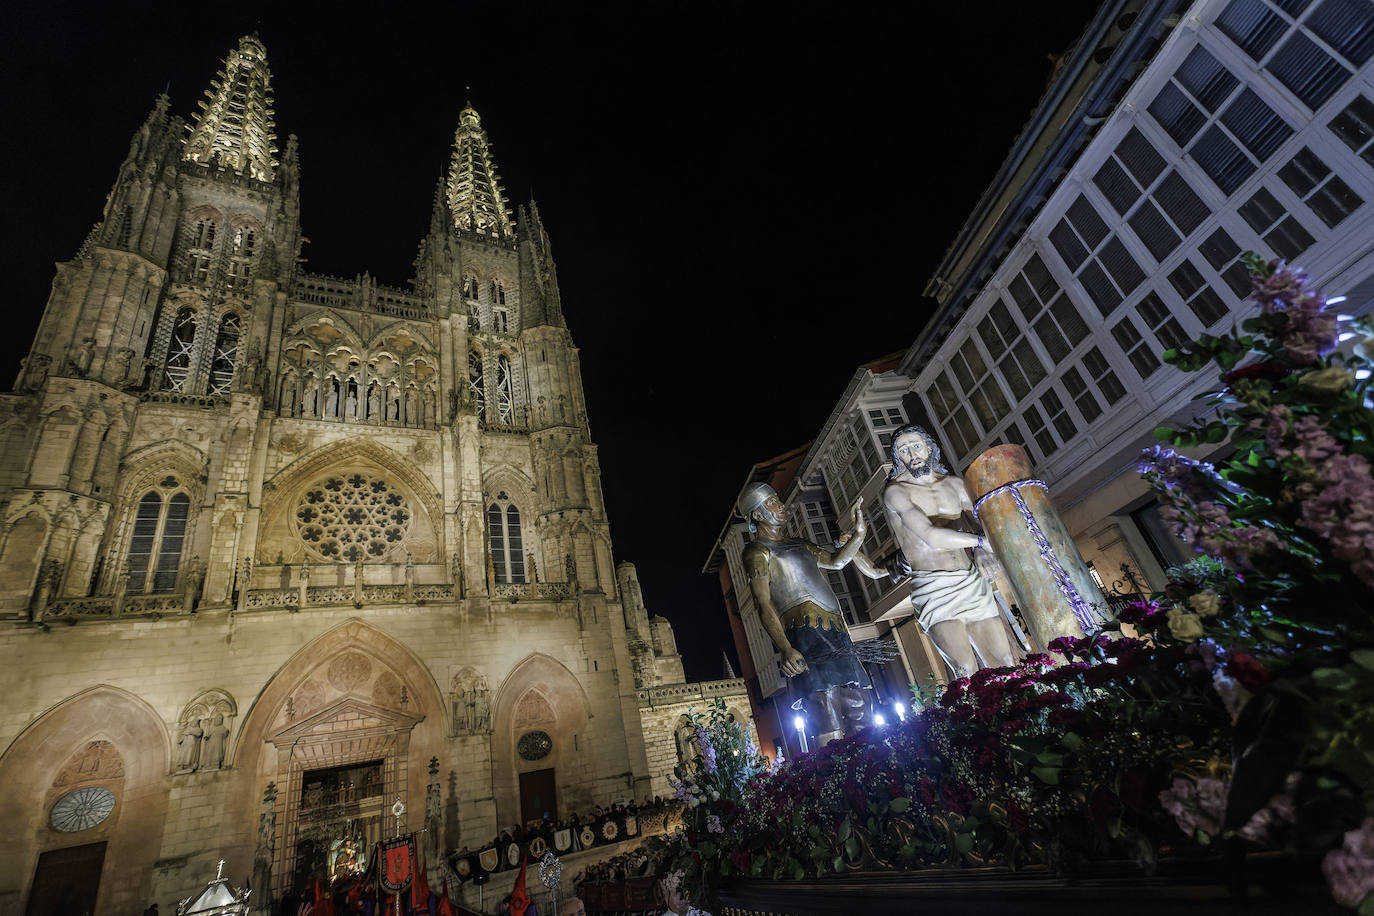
(475, 194)
(235, 124)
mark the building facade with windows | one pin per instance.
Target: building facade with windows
(820, 483)
(270, 541)
(1175, 137)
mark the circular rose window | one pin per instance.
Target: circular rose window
(352, 517)
(534, 745)
(81, 809)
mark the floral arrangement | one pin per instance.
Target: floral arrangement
(1237, 708)
(724, 759)
(1281, 603)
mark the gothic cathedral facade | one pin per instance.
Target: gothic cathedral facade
(271, 538)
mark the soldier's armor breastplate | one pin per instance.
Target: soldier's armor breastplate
(794, 577)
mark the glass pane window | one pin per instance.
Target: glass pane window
(158, 539)
(1320, 188)
(1059, 415)
(1355, 127)
(1139, 352)
(1102, 374)
(1301, 56)
(1222, 252)
(1252, 25)
(1082, 395)
(1161, 323)
(1281, 231)
(1044, 439)
(1197, 294)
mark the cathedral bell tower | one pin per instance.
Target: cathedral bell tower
(167, 301)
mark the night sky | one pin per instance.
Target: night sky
(745, 200)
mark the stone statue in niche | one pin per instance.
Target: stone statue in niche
(188, 747)
(216, 742)
(195, 576)
(481, 710)
(800, 612)
(119, 366)
(954, 603)
(80, 361)
(35, 371)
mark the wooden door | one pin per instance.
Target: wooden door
(66, 881)
(538, 793)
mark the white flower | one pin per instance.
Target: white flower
(1206, 603)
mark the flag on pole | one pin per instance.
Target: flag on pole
(519, 897)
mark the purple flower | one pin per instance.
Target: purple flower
(1343, 512)
(1200, 806)
(1282, 286)
(1350, 870)
(713, 824)
(708, 750)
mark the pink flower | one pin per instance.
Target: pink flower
(1350, 870)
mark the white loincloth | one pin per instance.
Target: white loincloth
(948, 594)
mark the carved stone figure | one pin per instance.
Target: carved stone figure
(195, 576)
(481, 710)
(374, 404)
(802, 615)
(252, 368)
(188, 747)
(949, 591)
(452, 405)
(80, 361)
(35, 371)
(216, 742)
(120, 365)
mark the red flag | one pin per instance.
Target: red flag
(324, 900)
(445, 908)
(519, 897)
(419, 889)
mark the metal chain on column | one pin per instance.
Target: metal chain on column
(1082, 611)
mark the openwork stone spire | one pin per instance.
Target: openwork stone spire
(235, 124)
(474, 191)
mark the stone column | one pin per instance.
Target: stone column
(1051, 582)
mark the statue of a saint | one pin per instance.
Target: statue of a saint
(949, 591)
(801, 613)
(188, 746)
(80, 362)
(481, 710)
(216, 741)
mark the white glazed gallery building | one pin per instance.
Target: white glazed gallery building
(1115, 232)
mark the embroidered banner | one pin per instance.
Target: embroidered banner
(398, 863)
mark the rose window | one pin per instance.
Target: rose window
(352, 517)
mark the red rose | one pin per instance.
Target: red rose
(741, 860)
(1247, 670)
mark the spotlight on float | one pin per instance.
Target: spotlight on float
(901, 711)
(878, 719)
(800, 725)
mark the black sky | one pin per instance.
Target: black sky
(745, 199)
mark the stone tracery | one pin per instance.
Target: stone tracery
(352, 517)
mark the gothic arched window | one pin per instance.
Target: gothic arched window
(158, 537)
(177, 368)
(470, 287)
(505, 390)
(506, 544)
(225, 355)
(241, 261)
(201, 250)
(477, 385)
